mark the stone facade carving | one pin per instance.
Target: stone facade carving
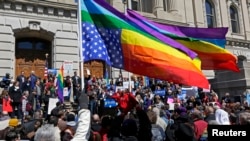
(42, 8)
(34, 25)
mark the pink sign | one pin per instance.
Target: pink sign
(170, 100)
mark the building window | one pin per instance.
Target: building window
(32, 44)
(142, 5)
(147, 6)
(210, 14)
(234, 20)
(135, 5)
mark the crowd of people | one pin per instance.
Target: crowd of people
(107, 111)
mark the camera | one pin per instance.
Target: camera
(6, 81)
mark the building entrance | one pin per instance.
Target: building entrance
(30, 55)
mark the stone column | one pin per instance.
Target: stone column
(172, 6)
(158, 5)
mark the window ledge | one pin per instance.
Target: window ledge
(238, 36)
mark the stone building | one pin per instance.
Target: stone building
(31, 28)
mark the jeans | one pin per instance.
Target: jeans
(92, 106)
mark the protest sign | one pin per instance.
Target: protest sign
(160, 92)
(68, 67)
(190, 91)
(170, 100)
(110, 103)
(248, 99)
(65, 92)
(119, 88)
(52, 72)
(126, 84)
(52, 104)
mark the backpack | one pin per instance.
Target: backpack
(28, 106)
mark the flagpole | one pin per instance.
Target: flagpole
(125, 2)
(80, 44)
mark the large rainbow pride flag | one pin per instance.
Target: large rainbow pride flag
(209, 43)
(108, 36)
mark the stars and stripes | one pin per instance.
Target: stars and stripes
(46, 69)
(102, 44)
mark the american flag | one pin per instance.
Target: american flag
(102, 44)
(46, 69)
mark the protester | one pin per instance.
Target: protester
(108, 112)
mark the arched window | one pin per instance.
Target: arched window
(234, 20)
(210, 14)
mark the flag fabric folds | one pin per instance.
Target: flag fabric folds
(108, 36)
(59, 84)
(46, 70)
(209, 50)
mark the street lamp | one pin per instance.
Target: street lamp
(46, 55)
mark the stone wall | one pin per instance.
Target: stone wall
(56, 22)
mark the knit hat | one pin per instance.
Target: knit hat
(13, 122)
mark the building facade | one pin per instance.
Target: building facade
(29, 29)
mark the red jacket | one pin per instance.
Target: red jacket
(126, 101)
(7, 105)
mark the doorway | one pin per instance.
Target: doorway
(30, 56)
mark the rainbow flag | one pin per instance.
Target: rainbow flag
(107, 36)
(59, 84)
(210, 51)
